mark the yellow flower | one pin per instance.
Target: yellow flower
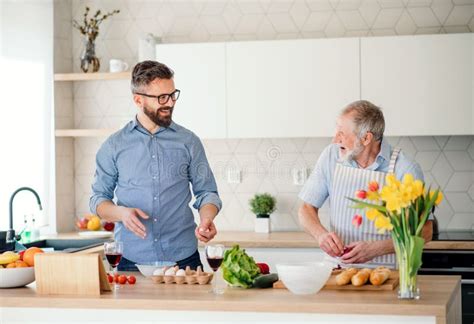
(373, 213)
(408, 179)
(418, 188)
(392, 181)
(383, 224)
(392, 198)
(439, 199)
(373, 195)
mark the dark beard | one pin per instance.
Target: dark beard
(156, 118)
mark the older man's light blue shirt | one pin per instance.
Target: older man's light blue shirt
(154, 172)
(318, 187)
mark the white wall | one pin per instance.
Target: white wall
(26, 79)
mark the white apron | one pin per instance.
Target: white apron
(346, 181)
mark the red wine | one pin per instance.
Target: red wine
(113, 258)
(214, 263)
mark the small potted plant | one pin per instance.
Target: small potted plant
(262, 205)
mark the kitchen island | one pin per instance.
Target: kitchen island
(146, 301)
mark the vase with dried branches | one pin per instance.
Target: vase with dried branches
(90, 29)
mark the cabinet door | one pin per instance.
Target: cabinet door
(423, 83)
(290, 88)
(200, 75)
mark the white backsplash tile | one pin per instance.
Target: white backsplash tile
(442, 170)
(423, 16)
(460, 160)
(425, 143)
(460, 181)
(460, 202)
(458, 143)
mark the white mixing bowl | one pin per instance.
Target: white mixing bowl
(304, 278)
(148, 269)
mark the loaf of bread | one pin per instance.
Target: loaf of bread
(379, 276)
(361, 277)
(345, 276)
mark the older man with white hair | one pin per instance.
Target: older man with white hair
(359, 154)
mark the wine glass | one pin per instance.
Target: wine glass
(215, 255)
(113, 252)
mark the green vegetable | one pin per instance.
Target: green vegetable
(238, 268)
(265, 281)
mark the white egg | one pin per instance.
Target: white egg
(170, 272)
(158, 272)
(181, 273)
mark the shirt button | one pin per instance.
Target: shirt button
(153, 156)
(154, 177)
(155, 220)
(156, 240)
(154, 198)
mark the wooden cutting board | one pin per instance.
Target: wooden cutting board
(390, 284)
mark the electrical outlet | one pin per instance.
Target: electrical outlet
(299, 176)
(234, 176)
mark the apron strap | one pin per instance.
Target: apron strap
(393, 158)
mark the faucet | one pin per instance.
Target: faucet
(11, 232)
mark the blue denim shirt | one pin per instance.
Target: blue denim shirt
(153, 172)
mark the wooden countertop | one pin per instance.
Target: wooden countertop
(285, 240)
(438, 294)
(304, 240)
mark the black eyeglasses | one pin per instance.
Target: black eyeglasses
(162, 99)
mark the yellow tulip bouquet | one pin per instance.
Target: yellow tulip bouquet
(402, 208)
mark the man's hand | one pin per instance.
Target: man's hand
(363, 251)
(206, 230)
(330, 243)
(130, 218)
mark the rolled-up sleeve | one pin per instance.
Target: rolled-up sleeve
(315, 191)
(201, 177)
(105, 177)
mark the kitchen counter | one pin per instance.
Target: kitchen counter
(304, 240)
(439, 303)
(286, 240)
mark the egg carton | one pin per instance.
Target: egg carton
(191, 277)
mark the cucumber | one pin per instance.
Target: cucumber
(265, 281)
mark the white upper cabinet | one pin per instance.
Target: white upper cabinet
(423, 83)
(200, 75)
(290, 88)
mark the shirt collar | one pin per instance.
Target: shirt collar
(136, 124)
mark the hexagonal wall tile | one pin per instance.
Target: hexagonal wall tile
(460, 160)
(460, 181)
(442, 170)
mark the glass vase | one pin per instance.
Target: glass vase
(89, 61)
(407, 262)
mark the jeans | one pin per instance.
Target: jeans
(192, 261)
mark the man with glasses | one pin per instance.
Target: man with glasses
(149, 165)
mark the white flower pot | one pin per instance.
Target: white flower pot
(262, 225)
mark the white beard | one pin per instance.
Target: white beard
(352, 154)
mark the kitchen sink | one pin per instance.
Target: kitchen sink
(69, 246)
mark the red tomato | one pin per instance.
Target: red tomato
(264, 268)
(116, 278)
(122, 279)
(110, 278)
(131, 280)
